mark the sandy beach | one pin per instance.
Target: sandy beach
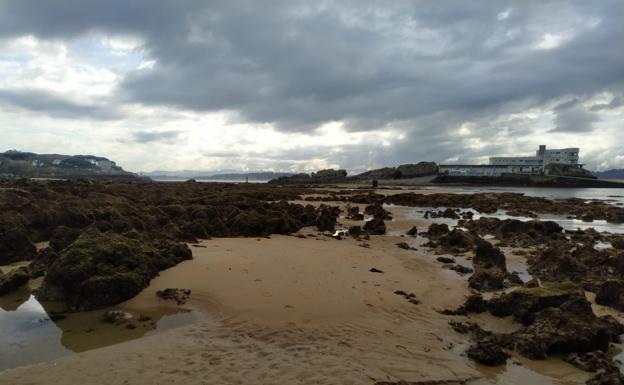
(300, 309)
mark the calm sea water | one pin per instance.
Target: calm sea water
(611, 195)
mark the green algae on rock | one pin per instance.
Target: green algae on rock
(103, 269)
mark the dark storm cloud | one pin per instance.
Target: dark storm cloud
(40, 101)
(426, 66)
(155, 136)
(575, 119)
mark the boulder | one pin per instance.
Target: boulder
(611, 293)
(492, 279)
(456, 241)
(355, 231)
(571, 327)
(524, 303)
(328, 216)
(116, 316)
(15, 243)
(445, 259)
(99, 270)
(436, 230)
(377, 211)
(487, 256)
(353, 213)
(375, 226)
(180, 296)
(461, 269)
(13, 280)
(487, 351)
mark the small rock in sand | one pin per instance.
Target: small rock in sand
(178, 295)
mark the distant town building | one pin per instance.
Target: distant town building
(531, 165)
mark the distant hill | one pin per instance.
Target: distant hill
(610, 174)
(263, 176)
(226, 176)
(15, 163)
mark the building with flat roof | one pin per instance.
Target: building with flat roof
(531, 165)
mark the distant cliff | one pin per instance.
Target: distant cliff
(610, 174)
(30, 165)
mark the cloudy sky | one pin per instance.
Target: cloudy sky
(303, 85)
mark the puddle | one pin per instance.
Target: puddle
(515, 266)
(29, 335)
(566, 223)
(602, 245)
(522, 371)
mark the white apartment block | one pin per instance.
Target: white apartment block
(517, 164)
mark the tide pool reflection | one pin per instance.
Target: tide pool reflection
(29, 335)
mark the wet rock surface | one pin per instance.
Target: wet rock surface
(15, 240)
(107, 240)
(13, 280)
(487, 351)
(513, 232)
(571, 327)
(375, 226)
(611, 293)
(103, 269)
(556, 319)
(116, 317)
(180, 296)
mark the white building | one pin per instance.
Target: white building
(518, 164)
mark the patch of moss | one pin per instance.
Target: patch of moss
(103, 269)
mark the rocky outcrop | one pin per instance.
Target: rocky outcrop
(556, 319)
(377, 211)
(13, 280)
(403, 171)
(611, 293)
(455, 241)
(375, 226)
(327, 219)
(489, 257)
(487, 351)
(524, 303)
(437, 230)
(513, 232)
(99, 270)
(15, 243)
(571, 327)
(180, 296)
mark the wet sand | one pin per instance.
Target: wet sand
(290, 310)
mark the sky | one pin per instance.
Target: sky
(289, 85)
